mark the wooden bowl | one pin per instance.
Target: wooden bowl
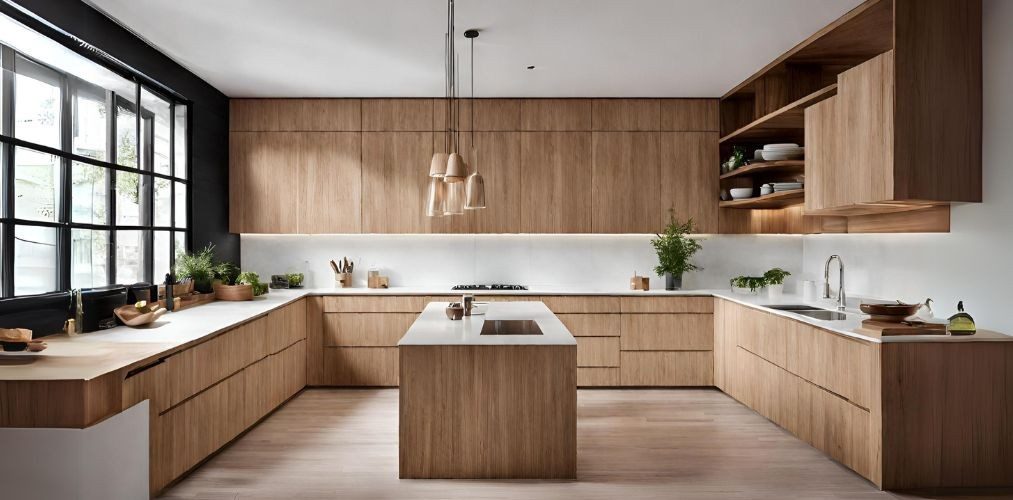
(130, 315)
(234, 292)
(890, 312)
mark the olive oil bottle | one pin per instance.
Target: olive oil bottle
(961, 323)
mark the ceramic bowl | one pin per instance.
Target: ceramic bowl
(741, 193)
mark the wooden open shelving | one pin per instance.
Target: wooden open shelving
(788, 121)
(767, 167)
(773, 200)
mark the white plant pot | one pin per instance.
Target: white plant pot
(774, 292)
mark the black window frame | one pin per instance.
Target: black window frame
(71, 87)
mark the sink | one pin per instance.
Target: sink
(510, 327)
(822, 314)
(811, 312)
(794, 307)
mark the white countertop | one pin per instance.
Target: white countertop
(434, 328)
(541, 290)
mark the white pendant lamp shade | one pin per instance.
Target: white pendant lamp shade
(438, 167)
(455, 198)
(475, 191)
(456, 169)
(436, 202)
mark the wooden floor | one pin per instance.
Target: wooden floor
(632, 444)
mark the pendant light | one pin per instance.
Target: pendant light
(475, 190)
(436, 205)
(456, 169)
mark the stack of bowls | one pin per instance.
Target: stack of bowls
(785, 151)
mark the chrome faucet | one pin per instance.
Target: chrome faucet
(842, 299)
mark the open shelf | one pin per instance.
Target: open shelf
(773, 200)
(767, 167)
(785, 122)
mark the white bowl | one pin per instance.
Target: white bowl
(794, 154)
(784, 145)
(741, 193)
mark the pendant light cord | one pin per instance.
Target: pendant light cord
(472, 97)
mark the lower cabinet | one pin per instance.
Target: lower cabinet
(667, 368)
(361, 366)
(667, 341)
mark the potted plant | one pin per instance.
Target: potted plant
(253, 280)
(226, 288)
(198, 268)
(675, 249)
(747, 285)
(774, 280)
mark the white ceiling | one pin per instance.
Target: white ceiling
(394, 48)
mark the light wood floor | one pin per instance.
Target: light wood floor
(632, 444)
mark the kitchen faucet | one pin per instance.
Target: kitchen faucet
(841, 297)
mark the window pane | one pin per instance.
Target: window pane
(163, 202)
(179, 245)
(36, 177)
(128, 199)
(36, 104)
(162, 252)
(88, 185)
(126, 131)
(90, 124)
(156, 113)
(181, 208)
(129, 257)
(180, 141)
(34, 260)
(89, 258)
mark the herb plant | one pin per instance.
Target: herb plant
(674, 248)
(775, 276)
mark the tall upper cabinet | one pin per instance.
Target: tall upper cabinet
(887, 102)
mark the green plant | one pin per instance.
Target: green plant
(198, 267)
(674, 248)
(253, 279)
(775, 276)
(227, 272)
(750, 282)
(295, 279)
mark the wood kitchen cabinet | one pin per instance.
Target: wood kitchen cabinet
(497, 156)
(555, 182)
(395, 177)
(639, 176)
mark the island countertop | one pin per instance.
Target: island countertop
(434, 328)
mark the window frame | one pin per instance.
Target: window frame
(71, 88)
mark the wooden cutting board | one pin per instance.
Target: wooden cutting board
(887, 329)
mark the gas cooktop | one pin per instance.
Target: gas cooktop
(489, 287)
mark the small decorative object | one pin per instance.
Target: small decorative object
(766, 189)
(747, 285)
(736, 160)
(383, 282)
(468, 302)
(373, 278)
(455, 311)
(925, 311)
(252, 279)
(15, 339)
(891, 313)
(774, 280)
(279, 281)
(234, 293)
(343, 272)
(295, 280)
(139, 314)
(961, 323)
(675, 249)
(640, 282)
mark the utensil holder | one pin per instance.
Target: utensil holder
(343, 280)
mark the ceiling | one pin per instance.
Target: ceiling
(394, 48)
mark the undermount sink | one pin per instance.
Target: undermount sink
(811, 312)
(510, 327)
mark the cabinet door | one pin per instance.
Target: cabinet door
(329, 182)
(865, 95)
(395, 174)
(555, 182)
(496, 155)
(822, 135)
(263, 175)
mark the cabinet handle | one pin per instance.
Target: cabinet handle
(141, 369)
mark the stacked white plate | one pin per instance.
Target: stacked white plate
(786, 151)
(786, 186)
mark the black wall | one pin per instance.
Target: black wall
(209, 111)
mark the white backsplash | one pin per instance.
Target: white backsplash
(590, 261)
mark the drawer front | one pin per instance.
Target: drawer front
(286, 326)
(667, 332)
(272, 380)
(597, 377)
(366, 329)
(591, 325)
(841, 365)
(704, 305)
(763, 334)
(192, 370)
(597, 351)
(396, 303)
(667, 368)
(188, 433)
(151, 383)
(361, 366)
(564, 304)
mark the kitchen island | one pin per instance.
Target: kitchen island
(491, 396)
